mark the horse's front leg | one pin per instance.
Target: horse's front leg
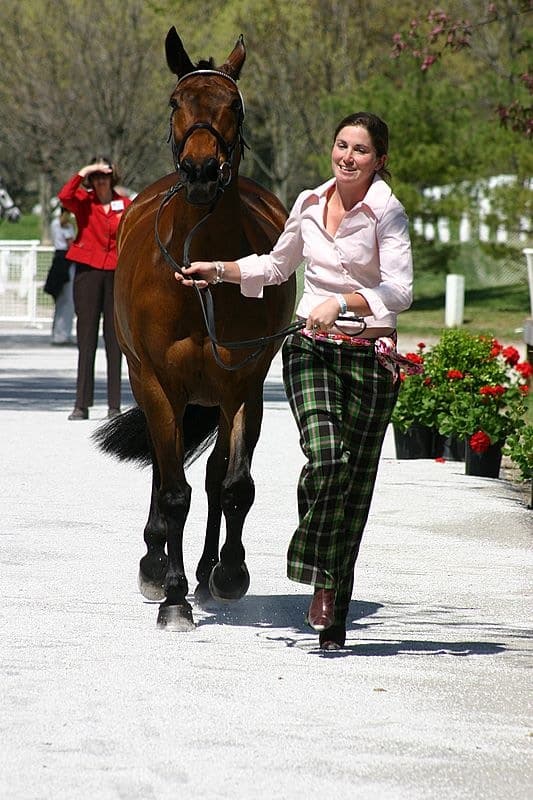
(229, 579)
(173, 499)
(153, 566)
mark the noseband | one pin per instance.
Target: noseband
(228, 148)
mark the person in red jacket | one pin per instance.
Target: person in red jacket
(98, 210)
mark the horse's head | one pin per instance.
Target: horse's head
(8, 209)
(206, 120)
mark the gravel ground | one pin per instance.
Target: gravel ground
(430, 698)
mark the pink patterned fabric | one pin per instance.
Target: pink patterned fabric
(385, 349)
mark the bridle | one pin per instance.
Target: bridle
(228, 148)
(224, 179)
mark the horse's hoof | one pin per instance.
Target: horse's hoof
(151, 578)
(152, 591)
(203, 597)
(227, 588)
(175, 618)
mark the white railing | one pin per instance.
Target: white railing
(24, 265)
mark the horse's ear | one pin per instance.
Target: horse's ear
(177, 59)
(233, 64)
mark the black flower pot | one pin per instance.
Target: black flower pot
(487, 464)
(454, 448)
(418, 441)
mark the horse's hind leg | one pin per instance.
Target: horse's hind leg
(153, 565)
(229, 579)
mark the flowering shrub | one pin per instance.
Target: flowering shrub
(519, 446)
(415, 404)
(472, 386)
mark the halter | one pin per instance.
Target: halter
(228, 148)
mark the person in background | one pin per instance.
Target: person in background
(341, 377)
(98, 210)
(59, 281)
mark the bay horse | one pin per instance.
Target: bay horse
(191, 380)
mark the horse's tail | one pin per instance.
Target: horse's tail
(127, 437)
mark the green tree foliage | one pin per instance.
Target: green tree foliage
(76, 82)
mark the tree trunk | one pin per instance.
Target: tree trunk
(45, 196)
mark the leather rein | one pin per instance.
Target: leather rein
(206, 298)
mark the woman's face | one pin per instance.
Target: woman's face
(354, 159)
(101, 184)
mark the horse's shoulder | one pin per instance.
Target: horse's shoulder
(262, 207)
(145, 205)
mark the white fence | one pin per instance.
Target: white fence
(24, 266)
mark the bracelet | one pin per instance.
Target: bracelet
(342, 303)
(219, 267)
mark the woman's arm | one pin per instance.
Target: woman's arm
(255, 271)
(202, 273)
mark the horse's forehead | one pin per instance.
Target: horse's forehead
(204, 89)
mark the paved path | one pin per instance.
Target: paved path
(428, 700)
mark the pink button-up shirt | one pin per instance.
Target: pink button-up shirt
(370, 254)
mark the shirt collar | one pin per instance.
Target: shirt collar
(375, 199)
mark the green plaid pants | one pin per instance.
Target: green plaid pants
(342, 400)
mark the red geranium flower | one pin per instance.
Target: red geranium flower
(494, 391)
(480, 442)
(525, 369)
(524, 389)
(415, 358)
(511, 355)
(496, 348)
(421, 345)
(455, 374)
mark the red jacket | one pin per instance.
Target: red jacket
(96, 242)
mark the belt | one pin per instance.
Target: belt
(384, 348)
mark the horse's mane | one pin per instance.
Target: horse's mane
(204, 63)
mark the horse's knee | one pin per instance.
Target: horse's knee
(175, 503)
(237, 497)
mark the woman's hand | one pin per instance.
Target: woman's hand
(100, 166)
(200, 273)
(323, 316)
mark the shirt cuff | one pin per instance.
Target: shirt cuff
(252, 276)
(377, 306)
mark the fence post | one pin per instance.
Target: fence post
(455, 300)
(32, 289)
(528, 252)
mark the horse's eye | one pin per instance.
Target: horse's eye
(173, 103)
(236, 105)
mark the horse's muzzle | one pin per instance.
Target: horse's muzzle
(201, 180)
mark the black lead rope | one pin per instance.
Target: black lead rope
(206, 299)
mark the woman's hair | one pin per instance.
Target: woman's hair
(377, 129)
(106, 160)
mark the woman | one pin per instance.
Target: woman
(352, 233)
(59, 279)
(98, 210)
